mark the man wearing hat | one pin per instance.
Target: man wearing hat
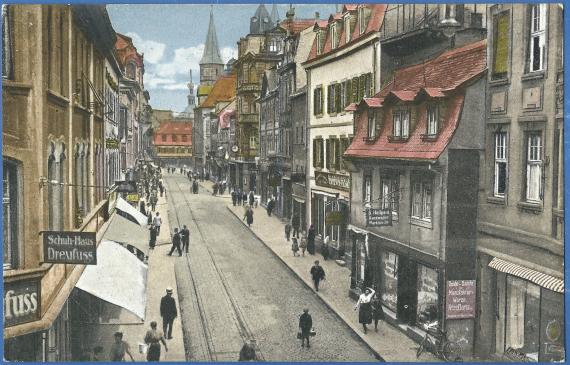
(305, 325)
(168, 312)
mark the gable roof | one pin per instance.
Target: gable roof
(375, 20)
(224, 89)
(173, 128)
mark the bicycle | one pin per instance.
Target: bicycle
(436, 342)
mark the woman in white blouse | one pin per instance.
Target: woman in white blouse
(365, 312)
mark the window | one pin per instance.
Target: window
(367, 188)
(344, 143)
(318, 153)
(6, 42)
(421, 199)
(368, 87)
(334, 36)
(371, 124)
(184, 138)
(174, 138)
(131, 70)
(537, 52)
(534, 167)
(337, 98)
(361, 20)
(55, 190)
(432, 119)
(318, 100)
(10, 201)
(401, 124)
(390, 192)
(333, 152)
(501, 41)
(274, 45)
(164, 138)
(500, 185)
(319, 42)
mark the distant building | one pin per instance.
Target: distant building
(188, 112)
(173, 144)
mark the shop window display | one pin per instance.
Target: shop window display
(551, 326)
(389, 280)
(428, 297)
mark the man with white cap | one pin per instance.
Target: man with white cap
(168, 312)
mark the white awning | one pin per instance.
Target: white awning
(118, 278)
(357, 230)
(124, 231)
(130, 212)
(298, 199)
(544, 280)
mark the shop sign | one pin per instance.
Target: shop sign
(111, 143)
(133, 198)
(460, 301)
(70, 247)
(334, 218)
(335, 181)
(378, 217)
(126, 186)
(21, 302)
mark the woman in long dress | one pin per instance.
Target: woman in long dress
(365, 309)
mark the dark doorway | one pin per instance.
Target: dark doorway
(407, 290)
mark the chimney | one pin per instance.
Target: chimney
(317, 15)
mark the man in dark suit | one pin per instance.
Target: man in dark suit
(305, 325)
(185, 235)
(175, 243)
(168, 312)
(318, 274)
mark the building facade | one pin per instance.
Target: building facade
(520, 243)
(173, 144)
(53, 81)
(340, 70)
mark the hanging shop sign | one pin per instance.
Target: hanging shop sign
(460, 301)
(133, 198)
(70, 247)
(126, 186)
(334, 218)
(378, 217)
(21, 302)
(335, 181)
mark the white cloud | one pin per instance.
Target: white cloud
(152, 81)
(227, 53)
(178, 86)
(184, 59)
(153, 51)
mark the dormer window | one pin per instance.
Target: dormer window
(334, 36)
(347, 28)
(319, 42)
(361, 20)
(371, 125)
(401, 119)
(432, 119)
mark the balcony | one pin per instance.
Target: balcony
(248, 118)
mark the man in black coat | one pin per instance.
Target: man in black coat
(185, 235)
(318, 274)
(168, 312)
(305, 325)
(175, 243)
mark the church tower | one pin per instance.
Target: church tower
(211, 64)
(189, 111)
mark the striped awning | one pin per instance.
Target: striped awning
(546, 281)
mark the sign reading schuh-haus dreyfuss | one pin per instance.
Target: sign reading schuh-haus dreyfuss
(330, 180)
(70, 247)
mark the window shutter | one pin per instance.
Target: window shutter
(315, 153)
(355, 90)
(315, 102)
(348, 92)
(328, 154)
(361, 86)
(501, 45)
(338, 150)
(322, 99)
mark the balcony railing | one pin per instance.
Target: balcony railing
(406, 18)
(247, 86)
(248, 118)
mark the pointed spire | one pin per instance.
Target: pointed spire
(211, 50)
(274, 15)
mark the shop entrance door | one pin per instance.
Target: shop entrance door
(407, 290)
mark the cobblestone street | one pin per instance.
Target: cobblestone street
(232, 288)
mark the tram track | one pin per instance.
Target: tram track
(239, 320)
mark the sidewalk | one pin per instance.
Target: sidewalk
(391, 344)
(160, 276)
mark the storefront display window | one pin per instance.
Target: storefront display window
(551, 327)
(523, 317)
(428, 296)
(360, 260)
(389, 280)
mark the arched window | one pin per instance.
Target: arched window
(131, 70)
(11, 174)
(55, 176)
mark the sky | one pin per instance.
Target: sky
(172, 36)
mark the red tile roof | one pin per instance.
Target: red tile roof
(297, 25)
(444, 76)
(224, 89)
(351, 107)
(176, 128)
(377, 12)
